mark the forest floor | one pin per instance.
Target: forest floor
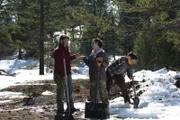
(44, 107)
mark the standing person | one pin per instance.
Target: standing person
(117, 71)
(60, 53)
(97, 53)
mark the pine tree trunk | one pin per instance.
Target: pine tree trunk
(113, 40)
(72, 40)
(113, 51)
(20, 54)
(94, 5)
(41, 43)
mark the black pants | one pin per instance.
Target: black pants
(120, 81)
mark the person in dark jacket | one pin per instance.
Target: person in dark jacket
(117, 71)
(60, 53)
(97, 53)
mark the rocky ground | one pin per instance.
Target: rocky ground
(45, 108)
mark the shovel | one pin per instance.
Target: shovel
(96, 110)
(135, 99)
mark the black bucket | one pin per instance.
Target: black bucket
(96, 110)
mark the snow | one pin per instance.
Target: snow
(83, 72)
(112, 58)
(11, 66)
(27, 71)
(8, 97)
(47, 93)
(5, 101)
(11, 95)
(160, 101)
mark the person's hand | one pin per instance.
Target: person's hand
(132, 77)
(77, 56)
(99, 59)
(81, 57)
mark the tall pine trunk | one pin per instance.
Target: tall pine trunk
(41, 43)
(96, 30)
(20, 54)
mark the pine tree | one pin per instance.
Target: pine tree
(156, 46)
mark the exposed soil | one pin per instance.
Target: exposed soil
(16, 110)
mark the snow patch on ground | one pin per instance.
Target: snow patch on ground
(160, 101)
(47, 93)
(10, 95)
(28, 71)
(5, 101)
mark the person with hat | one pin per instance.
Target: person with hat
(117, 71)
(60, 53)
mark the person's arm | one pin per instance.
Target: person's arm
(105, 60)
(85, 59)
(129, 73)
(72, 57)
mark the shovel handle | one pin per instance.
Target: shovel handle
(66, 82)
(134, 89)
(99, 61)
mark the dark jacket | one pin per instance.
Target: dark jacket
(93, 68)
(59, 53)
(120, 67)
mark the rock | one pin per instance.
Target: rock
(140, 93)
(138, 86)
(143, 80)
(177, 77)
(177, 84)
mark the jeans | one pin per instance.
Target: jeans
(61, 88)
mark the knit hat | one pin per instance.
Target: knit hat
(132, 55)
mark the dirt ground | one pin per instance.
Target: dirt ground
(16, 110)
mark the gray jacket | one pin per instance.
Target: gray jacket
(93, 68)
